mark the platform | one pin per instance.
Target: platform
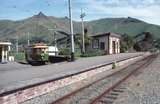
(13, 78)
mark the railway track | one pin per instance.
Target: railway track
(111, 94)
(106, 89)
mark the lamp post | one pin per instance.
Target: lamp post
(83, 40)
(54, 38)
(71, 30)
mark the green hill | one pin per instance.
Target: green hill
(39, 24)
(130, 26)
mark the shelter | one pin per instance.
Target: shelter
(4, 50)
(109, 42)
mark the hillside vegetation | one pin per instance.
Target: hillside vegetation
(38, 26)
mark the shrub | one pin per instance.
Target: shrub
(65, 51)
(19, 56)
(93, 53)
(113, 65)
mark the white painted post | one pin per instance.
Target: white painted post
(111, 50)
(6, 54)
(116, 46)
(71, 30)
(83, 40)
(28, 36)
(2, 53)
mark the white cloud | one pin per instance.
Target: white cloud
(147, 10)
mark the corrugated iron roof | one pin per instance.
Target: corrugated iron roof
(108, 33)
(39, 45)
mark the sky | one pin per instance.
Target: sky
(146, 10)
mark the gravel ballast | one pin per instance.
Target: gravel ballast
(144, 88)
(50, 97)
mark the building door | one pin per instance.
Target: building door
(102, 45)
(0, 54)
(113, 47)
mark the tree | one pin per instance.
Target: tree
(87, 39)
(145, 42)
(148, 37)
(78, 41)
(127, 43)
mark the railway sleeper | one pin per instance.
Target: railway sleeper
(118, 90)
(105, 101)
(114, 94)
(111, 97)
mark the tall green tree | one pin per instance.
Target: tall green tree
(145, 42)
(87, 39)
(127, 42)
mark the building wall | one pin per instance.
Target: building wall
(4, 53)
(117, 45)
(104, 40)
(108, 41)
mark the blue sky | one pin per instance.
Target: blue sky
(147, 10)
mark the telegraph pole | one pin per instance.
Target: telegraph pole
(83, 40)
(54, 38)
(54, 35)
(17, 44)
(28, 35)
(71, 30)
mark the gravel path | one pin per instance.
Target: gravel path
(13, 66)
(11, 79)
(144, 88)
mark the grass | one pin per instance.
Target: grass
(93, 53)
(20, 56)
(113, 65)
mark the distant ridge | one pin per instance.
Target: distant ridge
(39, 24)
(40, 15)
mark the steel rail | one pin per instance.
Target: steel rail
(58, 101)
(108, 90)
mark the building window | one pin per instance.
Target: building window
(95, 44)
(102, 45)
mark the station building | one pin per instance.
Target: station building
(4, 50)
(109, 42)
